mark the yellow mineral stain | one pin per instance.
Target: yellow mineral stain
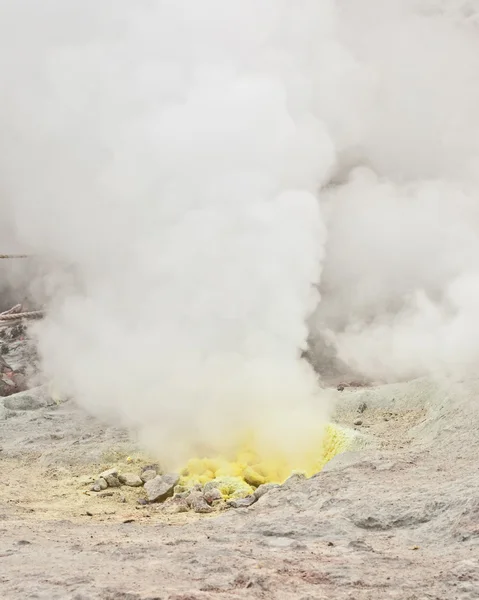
(237, 476)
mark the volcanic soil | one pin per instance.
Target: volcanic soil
(398, 519)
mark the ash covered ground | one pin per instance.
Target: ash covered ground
(398, 519)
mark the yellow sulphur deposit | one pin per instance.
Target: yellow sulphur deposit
(238, 476)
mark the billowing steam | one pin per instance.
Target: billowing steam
(401, 279)
(188, 168)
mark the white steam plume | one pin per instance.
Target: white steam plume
(401, 279)
(169, 153)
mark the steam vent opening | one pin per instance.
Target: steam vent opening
(240, 476)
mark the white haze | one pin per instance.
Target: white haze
(402, 268)
(192, 167)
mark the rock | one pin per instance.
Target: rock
(358, 422)
(99, 485)
(264, 489)
(102, 483)
(111, 477)
(112, 481)
(11, 381)
(108, 472)
(181, 494)
(242, 502)
(161, 487)
(183, 490)
(230, 487)
(219, 505)
(177, 505)
(33, 399)
(156, 468)
(362, 407)
(196, 501)
(130, 479)
(148, 475)
(212, 495)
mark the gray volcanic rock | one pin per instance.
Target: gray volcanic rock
(33, 399)
(161, 487)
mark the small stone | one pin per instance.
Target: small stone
(99, 485)
(219, 505)
(358, 422)
(112, 481)
(242, 502)
(108, 472)
(211, 495)
(155, 468)
(264, 489)
(182, 494)
(148, 475)
(196, 501)
(230, 487)
(362, 407)
(130, 479)
(177, 505)
(161, 487)
(33, 399)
